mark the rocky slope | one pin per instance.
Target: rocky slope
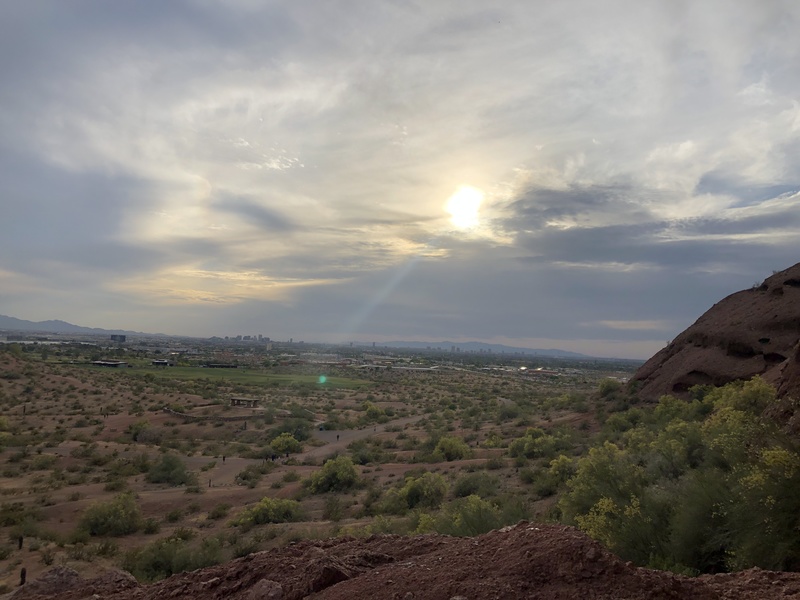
(532, 561)
(752, 332)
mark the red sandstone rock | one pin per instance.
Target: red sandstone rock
(752, 332)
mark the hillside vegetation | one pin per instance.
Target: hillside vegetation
(95, 472)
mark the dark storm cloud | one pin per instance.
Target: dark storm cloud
(639, 235)
(717, 182)
(535, 207)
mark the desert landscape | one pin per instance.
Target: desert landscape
(112, 467)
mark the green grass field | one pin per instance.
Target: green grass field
(242, 376)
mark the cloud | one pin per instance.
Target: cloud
(202, 167)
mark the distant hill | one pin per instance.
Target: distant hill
(56, 326)
(481, 346)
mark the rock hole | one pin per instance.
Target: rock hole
(792, 282)
(774, 358)
(740, 350)
(763, 340)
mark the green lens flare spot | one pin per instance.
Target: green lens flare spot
(322, 379)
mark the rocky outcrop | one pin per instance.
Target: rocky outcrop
(527, 561)
(752, 332)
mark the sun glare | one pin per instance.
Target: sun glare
(463, 207)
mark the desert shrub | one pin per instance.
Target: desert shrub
(252, 474)
(106, 548)
(171, 470)
(367, 451)
(135, 430)
(286, 443)
(43, 462)
(471, 516)
(608, 388)
(166, 557)
(333, 510)
(337, 475)
(151, 526)
(705, 485)
(452, 448)
(220, 511)
(494, 464)
(115, 485)
(528, 475)
(117, 517)
(270, 510)
(245, 547)
(16, 513)
(291, 476)
(537, 443)
(475, 484)
(299, 429)
(426, 491)
(174, 516)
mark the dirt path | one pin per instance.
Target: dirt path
(337, 440)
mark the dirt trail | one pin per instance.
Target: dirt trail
(337, 440)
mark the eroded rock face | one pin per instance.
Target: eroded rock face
(752, 332)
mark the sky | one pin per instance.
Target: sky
(589, 176)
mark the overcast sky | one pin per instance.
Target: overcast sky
(584, 175)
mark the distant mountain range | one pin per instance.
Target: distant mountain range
(14, 324)
(481, 346)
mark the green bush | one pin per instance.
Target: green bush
(286, 443)
(117, 517)
(336, 475)
(252, 474)
(477, 484)
(166, 557)
(15, 513)
(452, 448)
(151, 526)
(471, 516)
(171, 470)
(609, 388)
(220, 511)
(705, 485)
(426, 491)
(270, 510)
(334, 509)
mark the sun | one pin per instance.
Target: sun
(463, 207)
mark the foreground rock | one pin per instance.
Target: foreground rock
(531, 561)
(752, 332)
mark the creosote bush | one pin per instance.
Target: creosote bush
(269, 510)
(171, 555)
(336, 475)
(117, 517)
(171, 470)
(452, 448)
